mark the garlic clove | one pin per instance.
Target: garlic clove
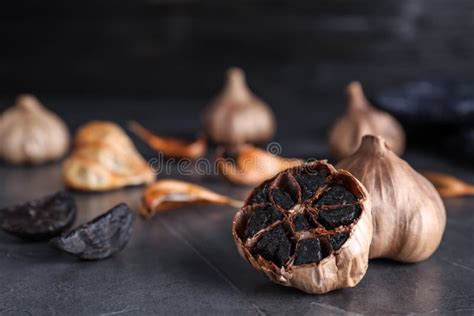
(170, 147)
(168, 194)
(298, 229)
(103, 159)
(102, 132)
(31, 134)
(360, 119)
(250, 165)
(408, 214)
(237, 116)
(100, 238)
(40, 219)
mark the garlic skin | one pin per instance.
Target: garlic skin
(449, 186)
(237, 116)
(408, 214)
(170, 147)
(167, 194)
(252, 165)
(31, 134)
(361, 119)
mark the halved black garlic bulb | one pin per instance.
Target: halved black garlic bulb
(309, 227)
(40, 219)
(100, 238)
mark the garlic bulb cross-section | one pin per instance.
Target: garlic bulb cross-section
(237, 116)
(31, 134)
(309, 227)
(408, 214)
(361, 119)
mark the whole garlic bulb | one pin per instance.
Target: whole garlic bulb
(362, 119)
(237, 116)
(31, 134)
(408, 214)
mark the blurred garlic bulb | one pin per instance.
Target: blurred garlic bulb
(408, 214)
(361, 119)
(237, 116)
(31, 134)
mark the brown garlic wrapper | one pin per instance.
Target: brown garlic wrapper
(408, 215)
(171, 147)
(168, 194)
(309, 227)
(361, 119)
(103, 159)
(249, 165)
(31, 134)
(449, 186)
(237, 116)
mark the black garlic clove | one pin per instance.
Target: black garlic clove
(310, 181)
(261, 218)
(336, 195)
(283, 198)
(337, 216)
(275, 246)
(40, 219)
(100, 238)
(338, 239)
(303, 222)
(260, 195)
(308, 251)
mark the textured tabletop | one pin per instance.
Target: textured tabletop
(185, 261)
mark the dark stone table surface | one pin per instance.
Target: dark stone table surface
(185, 262)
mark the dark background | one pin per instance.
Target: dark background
(161, 61)
(181, 48)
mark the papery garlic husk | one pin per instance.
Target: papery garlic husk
(31, 134)
(449, 186)
(251, 165)
(361, 119)
(103, 159)
(167, 194)
(237, 116)
(309, 227)
(408, 214)
(170, 146)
